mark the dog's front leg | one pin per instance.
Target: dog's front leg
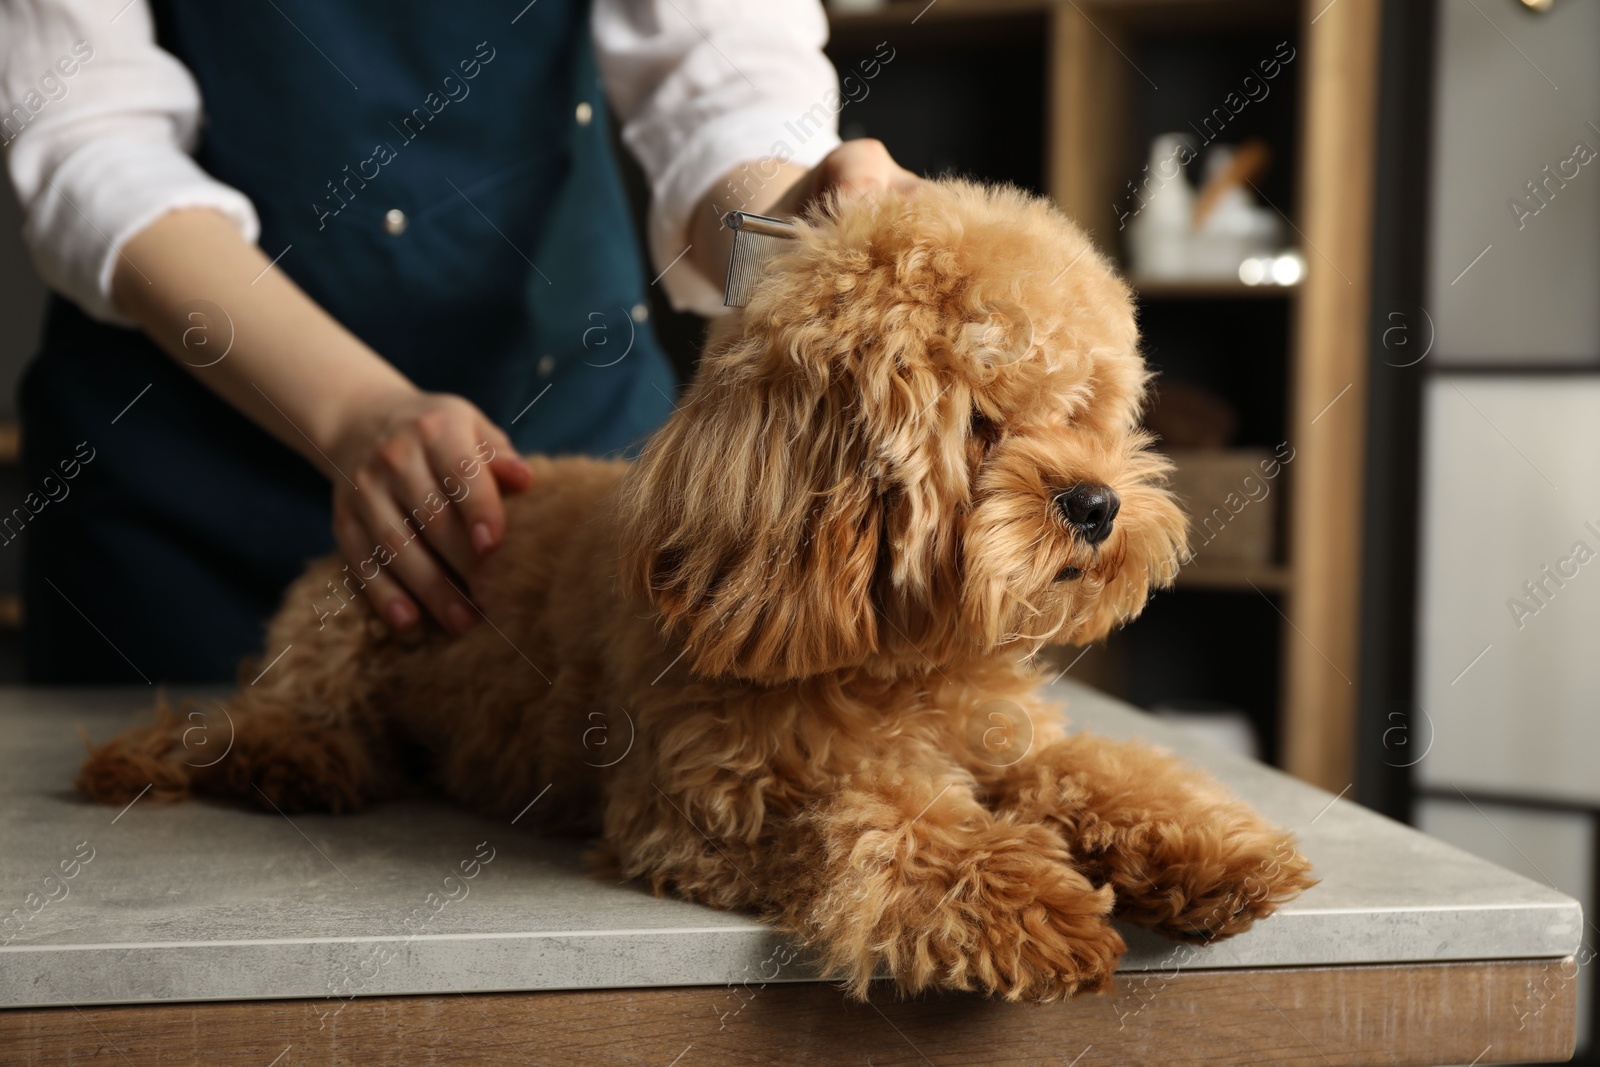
(906, 873)
(897, 871)
(1185, 857)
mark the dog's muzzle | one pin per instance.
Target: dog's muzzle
(1090, 510)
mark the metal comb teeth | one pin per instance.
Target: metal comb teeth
(756, 238)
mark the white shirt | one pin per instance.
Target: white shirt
(98, 122)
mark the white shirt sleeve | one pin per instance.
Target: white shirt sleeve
(704, 85)
(98, 123)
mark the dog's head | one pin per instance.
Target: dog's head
(918, 443)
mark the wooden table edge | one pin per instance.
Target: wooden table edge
(1479, 1012)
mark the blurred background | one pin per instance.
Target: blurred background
(1366, 241)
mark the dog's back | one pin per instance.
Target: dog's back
(342, 697)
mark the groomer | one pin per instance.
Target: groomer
(317, 260)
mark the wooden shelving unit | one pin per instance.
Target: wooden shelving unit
(10, 456)
(1089, 93)
(1262, 577)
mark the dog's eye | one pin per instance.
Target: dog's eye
(1068, 573)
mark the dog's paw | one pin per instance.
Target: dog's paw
(1205, 883)
(314, 770)
(1063, 941)
(1006, 916)
(144, 761)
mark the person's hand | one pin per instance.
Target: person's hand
(423, 499)
(856, 168)
(769, 187)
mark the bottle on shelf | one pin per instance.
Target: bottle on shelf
(1163, 202)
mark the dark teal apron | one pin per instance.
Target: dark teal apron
(437, 176)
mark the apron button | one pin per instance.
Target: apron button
(585, 113)
(394, 222)
(546, 366)
(640, 312)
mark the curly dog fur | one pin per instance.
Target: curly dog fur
(816, 597)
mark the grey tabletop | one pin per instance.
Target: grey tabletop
(206, 902)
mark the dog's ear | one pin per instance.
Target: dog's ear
(752, 523)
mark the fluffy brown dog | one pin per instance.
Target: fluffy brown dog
(909, 463)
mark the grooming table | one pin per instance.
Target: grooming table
(419, 933)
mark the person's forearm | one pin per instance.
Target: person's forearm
(756, 187)
(291, 368)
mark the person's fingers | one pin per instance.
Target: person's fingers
(357, 547)
(506, 463)
(856, 168)
(425, 508)
(864, 161)
(512, 473)
(408, 559)
(477, 499)
(863, 165)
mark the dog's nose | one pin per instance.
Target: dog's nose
(1091, 509)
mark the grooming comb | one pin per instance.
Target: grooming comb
(756, 238)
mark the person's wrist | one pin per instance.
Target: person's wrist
(753, 186)
(361, 415)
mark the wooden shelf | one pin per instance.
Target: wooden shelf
(1158, 14)
(1160, 289)
(1245, 577)
(948, 22)
(897, 14)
